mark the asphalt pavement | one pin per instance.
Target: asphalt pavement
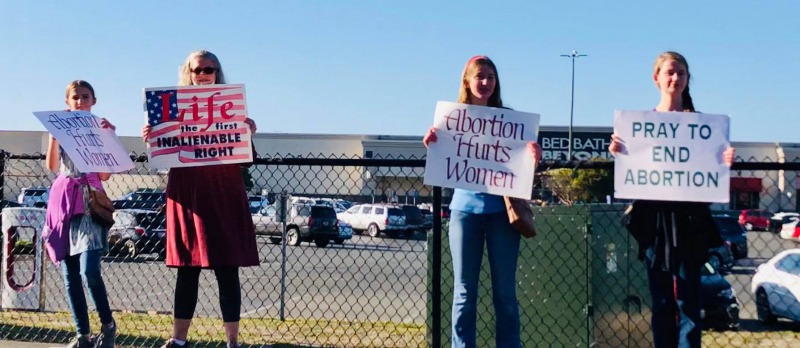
(20, 344)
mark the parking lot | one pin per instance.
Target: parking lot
(762, 246)
(365, 279)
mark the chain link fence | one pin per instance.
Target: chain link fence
(386, 283)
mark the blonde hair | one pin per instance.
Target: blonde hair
(686, 98)
(464, 95)
(185, 72)
(80, 83)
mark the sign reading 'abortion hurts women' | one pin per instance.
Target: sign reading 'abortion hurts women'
(90, 146)
(482, 149)
(671, 156)
(197, 125)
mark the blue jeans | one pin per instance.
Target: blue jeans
(676, 307)
(79, 268)
(467, 235)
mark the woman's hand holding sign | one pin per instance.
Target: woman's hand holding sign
(145, 133)
(429, 137)
(616, 145)
(535, 151)
(106, 124)
(729, 155)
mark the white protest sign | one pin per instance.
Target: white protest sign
(482, 149)
(197, 125)
(671, 156)
(90, 146)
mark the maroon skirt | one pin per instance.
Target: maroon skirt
(208, 218)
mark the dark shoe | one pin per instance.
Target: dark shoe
(171, 344)
(106, 337)
(81, 342)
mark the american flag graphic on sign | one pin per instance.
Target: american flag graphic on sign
(197, 125)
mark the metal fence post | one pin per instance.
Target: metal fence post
(282, 201)
(2, 173)
(436, 255)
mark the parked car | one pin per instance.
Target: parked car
(345, 203)
(427, 217)
(414, 219)
(778, 219)
(301, 200)
(721, 257)
(136, 232)
(143, 198)
(375, 219)
(789, 229)
(304, 223)
(4, 203)
(776, 286)
(733, 233)
(34, 197)
(345, 232)
(257, 202)
(755, 219)
(445, 213)
(338, 207)
(720, 308)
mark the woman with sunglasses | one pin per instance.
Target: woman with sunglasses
(208, 223)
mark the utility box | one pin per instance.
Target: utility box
(552, 282)
(22, 258)
(579, 283)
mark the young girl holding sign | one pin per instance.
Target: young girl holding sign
(477, 218)
(673, 237)
(74, 240)
(208, 223)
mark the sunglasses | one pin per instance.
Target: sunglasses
(207, 70)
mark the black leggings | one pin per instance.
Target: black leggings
(230, 292)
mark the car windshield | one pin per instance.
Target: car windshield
(35, 192)
(728, 226)
(395, 212)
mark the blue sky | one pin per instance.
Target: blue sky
(378, 67)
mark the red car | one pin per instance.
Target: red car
(755, 219)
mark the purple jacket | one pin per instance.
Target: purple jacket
(66, 200)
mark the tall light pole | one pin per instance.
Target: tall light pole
(572, 55)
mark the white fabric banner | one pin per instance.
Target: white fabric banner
(671, 156)
(482, 149)
(91, 147)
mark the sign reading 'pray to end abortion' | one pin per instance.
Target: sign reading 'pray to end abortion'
(482, 149)
(197, 125)
(671, 156)
(90, 146)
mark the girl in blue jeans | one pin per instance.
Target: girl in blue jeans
(77, 243)
(479, 218)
